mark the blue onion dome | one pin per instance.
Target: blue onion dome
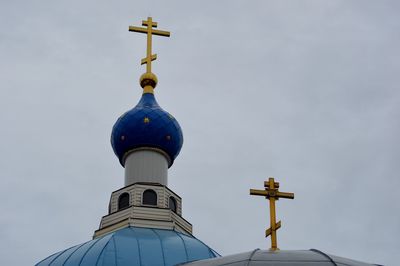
(145, 126)
(134, 246)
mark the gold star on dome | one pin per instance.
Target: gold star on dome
(146, 120)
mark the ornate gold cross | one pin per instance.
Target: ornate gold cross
(271, 192)
(150, 24)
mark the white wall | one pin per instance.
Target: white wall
(146, 166)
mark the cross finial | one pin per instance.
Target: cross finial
(148, 78)
(271, 193)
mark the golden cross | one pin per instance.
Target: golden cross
(271, 192)
(149, 31)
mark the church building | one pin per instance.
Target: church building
(144, 224)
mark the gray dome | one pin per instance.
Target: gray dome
(258, 257)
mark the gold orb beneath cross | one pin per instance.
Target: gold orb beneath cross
(148, 79)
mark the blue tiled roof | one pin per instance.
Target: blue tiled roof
(134, 246)
(147, 125)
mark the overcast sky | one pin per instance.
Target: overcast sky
(305, 91)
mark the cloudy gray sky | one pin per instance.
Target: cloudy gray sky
(305, 91)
